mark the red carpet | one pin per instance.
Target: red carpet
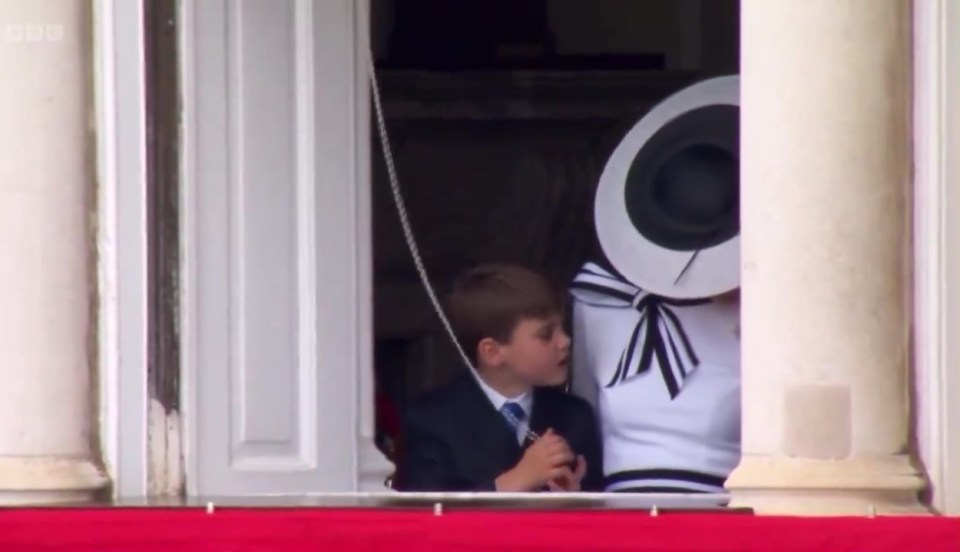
(294, 530)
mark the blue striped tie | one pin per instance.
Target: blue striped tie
(514, 414)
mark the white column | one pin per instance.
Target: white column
(47, 254)
(825, 163)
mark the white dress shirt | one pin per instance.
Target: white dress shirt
(497, 399)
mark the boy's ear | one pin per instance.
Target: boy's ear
(489, 352)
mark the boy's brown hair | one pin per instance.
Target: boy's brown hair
(491, 299)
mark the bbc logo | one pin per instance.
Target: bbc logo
(32, 33)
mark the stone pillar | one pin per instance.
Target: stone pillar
(825, 165)
(47, 254)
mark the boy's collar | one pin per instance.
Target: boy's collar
(498, 399)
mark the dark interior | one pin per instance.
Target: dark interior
(502, 114)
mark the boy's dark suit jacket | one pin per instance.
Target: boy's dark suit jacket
(457, 441)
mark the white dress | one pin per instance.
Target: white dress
(670, 423)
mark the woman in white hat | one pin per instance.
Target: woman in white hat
(656, 331)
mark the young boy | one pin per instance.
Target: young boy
(475, 433)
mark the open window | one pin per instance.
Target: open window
(501, 116)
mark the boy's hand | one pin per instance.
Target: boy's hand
(545, 460)
(569, 482)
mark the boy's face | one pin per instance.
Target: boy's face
(538, 351)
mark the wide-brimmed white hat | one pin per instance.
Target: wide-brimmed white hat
(667, 207)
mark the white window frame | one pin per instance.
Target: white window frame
(120, 115)
(936, 246)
